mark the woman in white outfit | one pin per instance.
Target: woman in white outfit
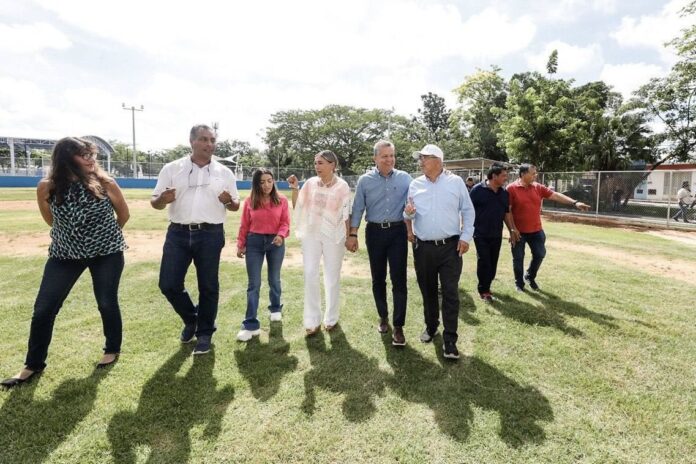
(322, 219)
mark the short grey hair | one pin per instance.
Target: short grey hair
(196, 128)
(382, 144)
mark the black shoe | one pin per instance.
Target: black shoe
(519, 288)
(427, 337)
(102, 365)
(203, 345)
(383, 326)
(450, 350)
(188, 333)
(14, 381)
(532, 283)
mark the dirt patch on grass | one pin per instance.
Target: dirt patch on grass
(680, 236)
(18, 205)
(674, 268)
(147, 246)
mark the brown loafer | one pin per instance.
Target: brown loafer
(383, 326)
(398, 338)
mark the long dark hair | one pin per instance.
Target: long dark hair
(257, 192)
(65, 170)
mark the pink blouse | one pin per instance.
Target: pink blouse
(268, 219)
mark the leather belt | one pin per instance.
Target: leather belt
(200, 226)
(444, 241)
(385, 224)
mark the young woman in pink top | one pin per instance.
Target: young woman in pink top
(265, 226)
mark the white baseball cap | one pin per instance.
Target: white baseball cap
(431, 150)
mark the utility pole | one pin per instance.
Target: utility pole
(133, 109)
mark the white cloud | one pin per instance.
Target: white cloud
(571, 58)
(568, 11)
(31, 38)
(653, 31)
(626, 78)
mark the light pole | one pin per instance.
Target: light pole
(133, 109)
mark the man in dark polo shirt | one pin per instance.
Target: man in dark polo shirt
(526, 196)
(492, 208)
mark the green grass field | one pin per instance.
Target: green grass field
(598, 367)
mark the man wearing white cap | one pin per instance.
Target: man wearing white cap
(440, 225)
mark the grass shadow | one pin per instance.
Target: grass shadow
(265, 364)
(555, 303)
(343, 370)
(33, 429)
(530, 314)
(466, 308)
(452, 389)
(170, 405)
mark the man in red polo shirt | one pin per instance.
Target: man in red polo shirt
(525, 204)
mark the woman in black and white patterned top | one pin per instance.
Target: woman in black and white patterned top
(78, 200)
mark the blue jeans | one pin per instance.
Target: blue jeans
(259, 246)
(536, 241)
(203, 247)
(58, 279)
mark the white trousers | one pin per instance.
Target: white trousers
(313, 248)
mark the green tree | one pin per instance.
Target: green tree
(294, 137)
(435, 117)
(671, 99)
(552, 63)
(476, 122)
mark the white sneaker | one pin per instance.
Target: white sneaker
(245, 335)
(276, 317)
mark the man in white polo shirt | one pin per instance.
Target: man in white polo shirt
(199, 192)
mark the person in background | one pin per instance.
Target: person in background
(86, 211)
(322, 223)
(382, 194)
(470, 182)
(262, 233)
(683, 199)
(199, 192)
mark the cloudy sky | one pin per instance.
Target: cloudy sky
(67, 66)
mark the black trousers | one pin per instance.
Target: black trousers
(443, 263)
(487, 253)
(388, 246)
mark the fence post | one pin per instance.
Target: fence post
(669, 196)
(599, 180)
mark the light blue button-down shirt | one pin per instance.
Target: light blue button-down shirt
(384, 197)
(443, 208)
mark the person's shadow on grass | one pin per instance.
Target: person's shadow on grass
(32, 429)
(451, 389)
(467, 307)
(170, 405)
(265, 364)
(551, 313)
(342, 369)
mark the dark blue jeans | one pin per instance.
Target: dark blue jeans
(487, 253)
(388, 246)
(203, 247)
(58, 279)
(536, 241)
(259, 246)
